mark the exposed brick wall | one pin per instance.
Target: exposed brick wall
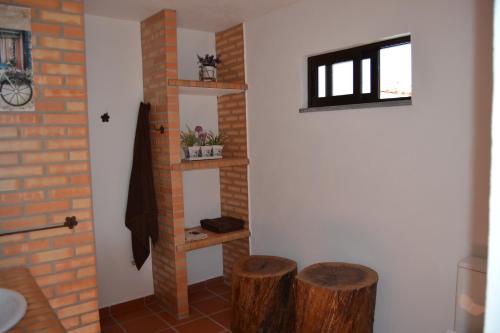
(45, 170)
(159, 48)
(232, 121)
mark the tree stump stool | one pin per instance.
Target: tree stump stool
(335, 298)
(262, 295)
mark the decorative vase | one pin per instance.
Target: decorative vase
(217, 151)
(194, 152)
(206, 151)
(208, 73)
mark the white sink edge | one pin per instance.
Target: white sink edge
(20, 314)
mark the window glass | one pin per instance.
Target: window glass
(366, 83)
(395, 71)
(342, 78)
(321, 81)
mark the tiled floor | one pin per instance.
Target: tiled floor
(210, 313)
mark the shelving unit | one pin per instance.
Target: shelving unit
(212, 239)
(210, 164)
(191, 87)
(162, 88)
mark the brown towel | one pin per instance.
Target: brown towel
(142, 213)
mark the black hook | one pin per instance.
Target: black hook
(105, 118)
(161, 129)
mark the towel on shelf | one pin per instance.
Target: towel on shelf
(141, 217)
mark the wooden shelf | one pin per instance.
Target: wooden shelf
(193, 87)
(209, 164)
(213, 239)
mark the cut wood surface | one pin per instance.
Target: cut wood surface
(335, 298)
(262, 298)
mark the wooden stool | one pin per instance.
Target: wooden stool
(262, 299)
(335, 298)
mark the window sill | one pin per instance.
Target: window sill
(357, 106)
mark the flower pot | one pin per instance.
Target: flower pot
(208, 73)
(194, 152)
(217, 151)
(206, 151)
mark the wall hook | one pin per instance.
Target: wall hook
(105, 118)
(161, 129)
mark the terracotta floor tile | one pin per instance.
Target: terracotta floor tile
(126, 316)
(147, 324)
(197, 286)
(219, 288)
(226, 296)
(223, 318)
(104, 313)
(211, 305)
(193, 314)
(112, 329)
(107, 321)
(202, 325)
(150, 299)
(199, 295)
(155, 307)
(131, 306)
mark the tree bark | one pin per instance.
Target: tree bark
(262, 299)
(335, 298)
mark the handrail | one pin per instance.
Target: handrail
(70, 223)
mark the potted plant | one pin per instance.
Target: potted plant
(206, 149)
(217, 143)
(189, 142)
(208, 67)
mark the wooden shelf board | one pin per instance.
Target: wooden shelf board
(213, 239)
(193, 87)
(209, 164)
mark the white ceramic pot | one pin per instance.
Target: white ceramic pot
(194, 152)
(208, 73)
(217, 151)
(206, 151)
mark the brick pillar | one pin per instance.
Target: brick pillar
(45, 169)
(232, 121)
(159, 52)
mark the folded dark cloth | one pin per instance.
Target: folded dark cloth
(142, 213)
(222, 224)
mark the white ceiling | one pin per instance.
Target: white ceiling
(206, 15)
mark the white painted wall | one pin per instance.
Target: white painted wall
(114, 72)
(403, 190)
(492, 320)
(201, 188)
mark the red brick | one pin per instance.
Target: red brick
(64, 93)
(19, 145)
(63, 69)
(20, 171)
(9, 159)
(57, 278)
(45, 28)
(73, 32)
(47, 55)
(46, 207)
(51, 106)
(74, 57)
(55, 119)
(72, 7)
(8, 132)
(18, 197)
(45, 182)
(43, 131)
(52, 255)
(9, 185)
(44, 157)
(68, 168)
(15, 249)
(66, 144)
(61, 18)
(63, 193)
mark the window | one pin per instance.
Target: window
(371, 73)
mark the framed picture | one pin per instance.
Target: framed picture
(16, 64)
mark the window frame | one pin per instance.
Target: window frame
(356, 55)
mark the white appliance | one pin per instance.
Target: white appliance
(470, 298)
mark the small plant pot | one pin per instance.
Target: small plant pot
(194, 152)
(217, 151)
(206, 151)
(208, 73)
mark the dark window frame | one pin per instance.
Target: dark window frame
(356, 55)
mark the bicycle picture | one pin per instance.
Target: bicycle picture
(16, 78)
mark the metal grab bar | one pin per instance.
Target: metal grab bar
(70, 223)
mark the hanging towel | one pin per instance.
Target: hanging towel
(142, 213)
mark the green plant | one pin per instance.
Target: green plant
(189, 138)
(216, 140)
